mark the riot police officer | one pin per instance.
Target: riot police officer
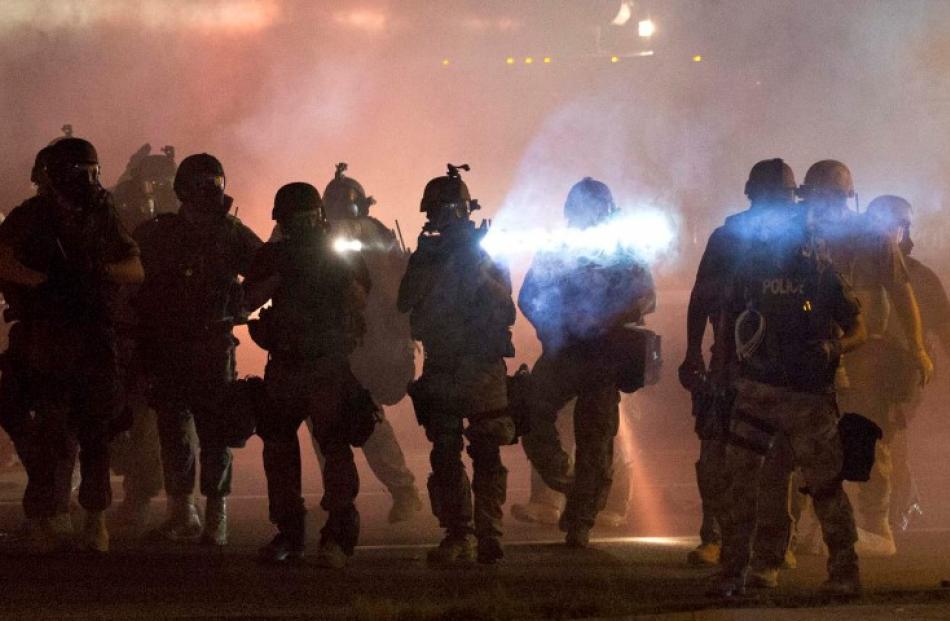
(310, 329)
(576, 303)
(385, 360)
(186, 310)
(62, 255)
(460, 308)
(873, 264)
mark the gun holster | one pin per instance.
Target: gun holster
(859, 436)
(421, 400)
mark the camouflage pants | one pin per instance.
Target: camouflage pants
(556, 379)
(473, 390)
(384, 456)
(316, 390)
(810, 421)
(188, 387)
(619, 496)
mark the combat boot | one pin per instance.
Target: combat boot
(727, 586)
(406, 503)
(490, 550)
(52, 534)
(95, 535)
(330, 555)
(610, 519)
(182, 524)
(453, 549)
(763, 578)
(577, 537)
(536, 513)
(843, 583)
(705, 555)
(283, 547)
(216, 521)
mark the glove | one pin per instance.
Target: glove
(924, 366)
(692, 373)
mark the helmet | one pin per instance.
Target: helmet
(40, 173)
(828, 176)
(588, 203)
(892, 215)
(72, 167)
(199, 176)
(345, 197)
(770, 179)
(447, 198)
(296, 198)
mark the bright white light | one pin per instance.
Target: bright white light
(624, 14)
(646, 28)
(343, 245)
(647, 233)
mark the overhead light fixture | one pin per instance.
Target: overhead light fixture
(697, 58)
(615, 59)
(646, 28)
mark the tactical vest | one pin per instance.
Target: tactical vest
(307, 319)
(781, 317)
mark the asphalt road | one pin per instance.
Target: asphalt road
(621, 575)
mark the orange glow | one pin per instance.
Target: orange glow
(643, 494)
(547, 60)
(528, 60)
(510, 60)
(371, 21)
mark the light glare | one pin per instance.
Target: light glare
(646, 28)
(343, 245)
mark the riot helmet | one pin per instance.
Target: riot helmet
(446, 200)
(771, 181)
(299, 210)
(39, 176)
(344, 197)
(72, 168)
(200, 181)
(588, 203)
(828, 181)
(892, 215)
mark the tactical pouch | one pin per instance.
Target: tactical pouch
(361, 414)
(636, 354)
(244, 404)
(859, 437)
(751, 433)
(519, 400)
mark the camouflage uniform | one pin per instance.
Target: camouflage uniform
(810, 421)
(775, 524)
(61, 362)
(186, 309)
(384, 362)
(310, 330)
(460, 308)
(619, 495)
(571, 306)
(785, 386)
